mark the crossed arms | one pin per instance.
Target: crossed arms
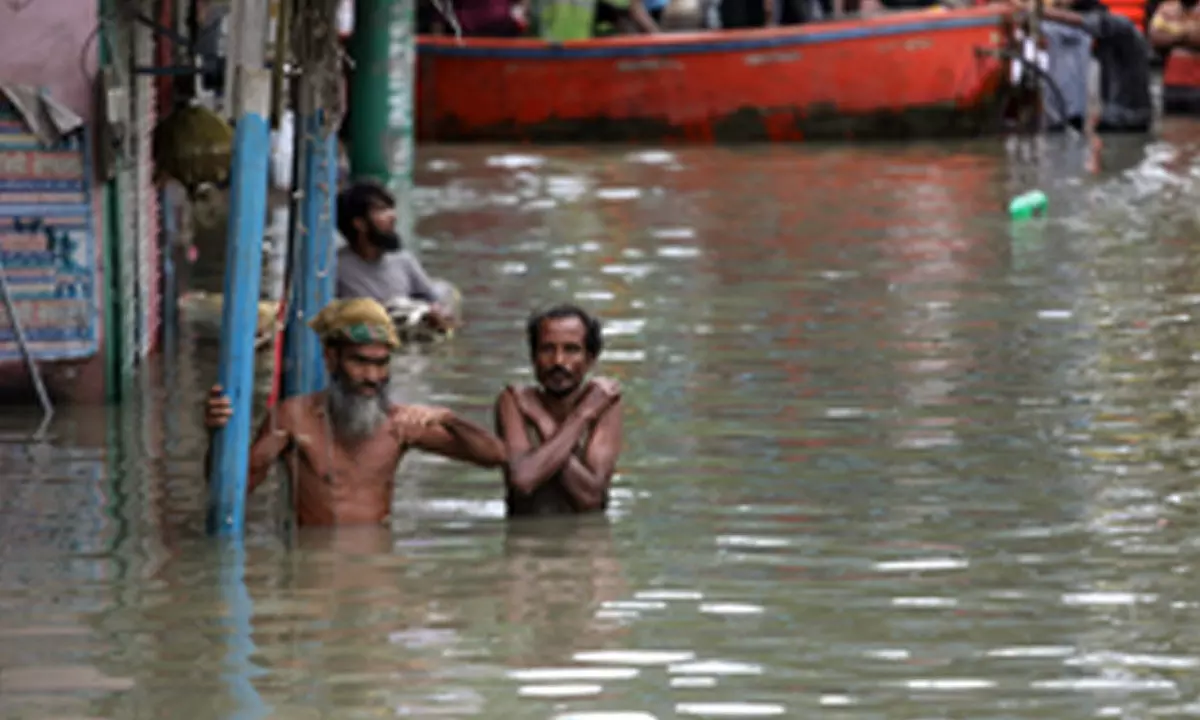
(1172, 27)
(585, 480)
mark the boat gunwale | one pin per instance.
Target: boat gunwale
(714, 41)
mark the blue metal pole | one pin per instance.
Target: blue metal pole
(315, 270)
(239, 323)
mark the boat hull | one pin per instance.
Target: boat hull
(901, 75)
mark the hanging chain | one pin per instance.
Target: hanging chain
(319, 84)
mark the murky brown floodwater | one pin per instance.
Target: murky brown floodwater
(884, 460)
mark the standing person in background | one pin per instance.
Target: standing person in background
(741, 14)
(478, 18)
(622, 16)
(656, 9)
(1175, 34)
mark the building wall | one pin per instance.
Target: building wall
(43, 46)
(54, 44)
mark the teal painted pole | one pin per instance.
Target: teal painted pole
(368, 119)
(243, 274)
(314, 270)
(114, 360)
(383, 46)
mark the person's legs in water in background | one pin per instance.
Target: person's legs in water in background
(615, 19)
(736, 14)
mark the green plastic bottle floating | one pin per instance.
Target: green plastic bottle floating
(1028, 205)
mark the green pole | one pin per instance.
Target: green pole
(111, 239)
(113, 377)
(383, 47)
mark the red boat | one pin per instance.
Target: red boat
(905, 74)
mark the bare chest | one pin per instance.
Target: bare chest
(366, 464)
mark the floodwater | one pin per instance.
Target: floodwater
(886, 456)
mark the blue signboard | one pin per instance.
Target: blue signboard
(47, 244)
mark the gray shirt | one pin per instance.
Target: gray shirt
(397, 274)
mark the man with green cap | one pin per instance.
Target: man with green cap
(345, 443)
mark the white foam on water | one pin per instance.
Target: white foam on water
(624, 327)
(618, 193)
(559, 691)
(692, 681)
(944, 563)
(676, 233)
(715, 667)
(566, 187)
(634, 605)
(1106, 598)
(633, 271)
(512, 268)
(677, 251)
(730, 609)
(514, 161)
(924, 602)
(594, 295)
(1100, 684)
(629, 356)
(730, 709)
(635, 657)
(752, 541)
(606, 716)
(1055, 314)
(949, 684)
(651, 157)
(669, 595)
(573, 673)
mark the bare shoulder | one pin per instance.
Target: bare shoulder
(412, 420)
(519, 393)
(295, 411)
(609, 384)
(528, 393)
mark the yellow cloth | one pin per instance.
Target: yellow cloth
(360, 321)
(1161, 23)
(1171, 18)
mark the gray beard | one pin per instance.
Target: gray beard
(356, 417)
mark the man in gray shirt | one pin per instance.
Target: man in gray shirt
(374, 264)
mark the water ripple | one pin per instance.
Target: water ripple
(886, 454)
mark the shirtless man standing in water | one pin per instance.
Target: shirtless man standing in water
(563, 435)
(349, 440)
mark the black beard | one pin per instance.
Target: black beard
(385, 241)
(559, 394)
